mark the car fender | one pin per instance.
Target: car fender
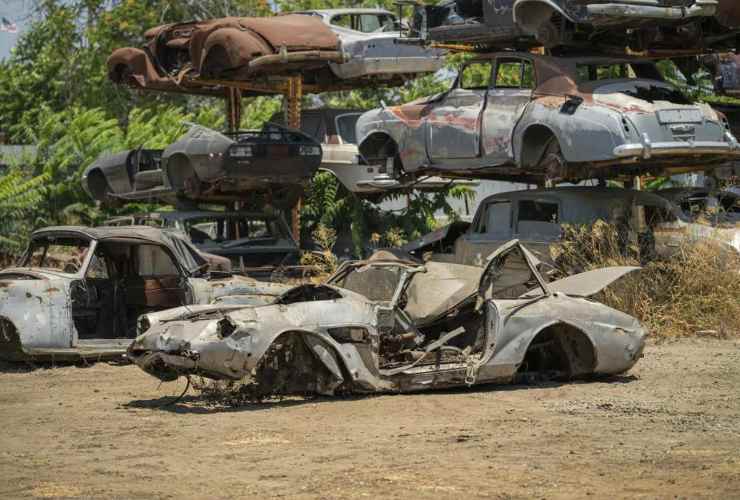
(40, 312)
(590, 134)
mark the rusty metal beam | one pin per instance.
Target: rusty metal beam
(292, 101)
(233, 108)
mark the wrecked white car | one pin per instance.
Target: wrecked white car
(77, 292)
(393, 325)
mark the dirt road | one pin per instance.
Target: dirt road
(671, 428)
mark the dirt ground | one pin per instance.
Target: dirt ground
(670, 428)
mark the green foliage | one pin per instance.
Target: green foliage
(19, 197)
(55, 93)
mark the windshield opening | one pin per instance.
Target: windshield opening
(377, 283)
(253, 230)
(63, 254)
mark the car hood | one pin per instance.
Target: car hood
(586, 284)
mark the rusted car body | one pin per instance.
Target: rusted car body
(208, 165)
(256, 243)
(566, 24)
(537, 217)
(394, 325)
(529, 118)
(328, 56)
(77, 292)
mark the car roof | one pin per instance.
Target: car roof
(580, 193)
(191, 214)
(151, 234)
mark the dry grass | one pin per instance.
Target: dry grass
(694, 292)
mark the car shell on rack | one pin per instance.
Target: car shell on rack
(531, 118)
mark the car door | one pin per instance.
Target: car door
(509, 95)
(454, 123)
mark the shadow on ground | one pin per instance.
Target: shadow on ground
(199, 404)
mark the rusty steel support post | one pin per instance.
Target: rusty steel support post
(292, 107)
(233, 108)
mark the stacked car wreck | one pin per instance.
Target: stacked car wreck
(555, 93)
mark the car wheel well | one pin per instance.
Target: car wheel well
(559, 351)
(542, 20)
(290, 367)
(216, 58)
(378, 147)
(534, 143)
(11, 348)
(98, 185)
(180, 172)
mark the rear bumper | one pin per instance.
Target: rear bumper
(650, 9)
(647, 149)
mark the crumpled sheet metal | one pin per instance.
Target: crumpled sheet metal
(211, 48)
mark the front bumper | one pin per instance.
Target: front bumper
(647, 150)
(649, 9)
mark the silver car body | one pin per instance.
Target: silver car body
(598, 126)
(39, 307)
(458, 330)
(537, 218)
(375, 54)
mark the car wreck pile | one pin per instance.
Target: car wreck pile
(554, 94)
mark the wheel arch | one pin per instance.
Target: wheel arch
(379, 144)
(97, 184)
(534, 142)
(583, 345)
(178, 169)
(331, 359)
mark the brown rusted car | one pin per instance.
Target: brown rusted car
(524, 117)
(254, 48)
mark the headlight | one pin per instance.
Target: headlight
(225, 327)
(241, 152)
(309, 151)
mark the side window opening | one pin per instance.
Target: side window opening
(153, 261)
(476, 76)
(537, 218)
(495, 221)
(514, 74)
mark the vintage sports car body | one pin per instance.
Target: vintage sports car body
(78, 291)
(391, 324)
(208, 165)
(195, 56)
(529, 118)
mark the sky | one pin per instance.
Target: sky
(17, 11)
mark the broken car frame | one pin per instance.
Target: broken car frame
(394, 325)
